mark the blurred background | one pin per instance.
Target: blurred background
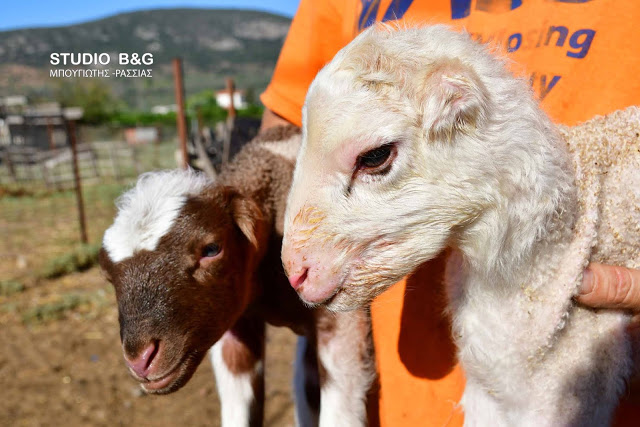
(70, 146)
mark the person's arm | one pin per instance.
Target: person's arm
(314, 37)
(607, 286)
(271, 119)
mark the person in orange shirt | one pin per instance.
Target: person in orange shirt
(580, 57)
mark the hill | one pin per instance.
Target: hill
(214, 43)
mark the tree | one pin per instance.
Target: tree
(93, 96)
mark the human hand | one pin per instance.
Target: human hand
(607, 286)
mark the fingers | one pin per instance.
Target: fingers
(610, 287)
(616, 287)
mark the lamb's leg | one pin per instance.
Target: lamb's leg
(306, 383)
(345, 359)
(238, 363)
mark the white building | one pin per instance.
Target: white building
(14, 101)
(223, 98)
(164, 109)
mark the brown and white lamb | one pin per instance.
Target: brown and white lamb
(196, 264)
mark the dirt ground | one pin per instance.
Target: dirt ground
(70, 371)
(60, 356)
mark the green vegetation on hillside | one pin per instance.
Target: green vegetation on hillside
(213, 43)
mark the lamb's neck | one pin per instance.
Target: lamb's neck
(521, 271)
(256, 185)
(263, 194)
(502, 244)
(263, 170)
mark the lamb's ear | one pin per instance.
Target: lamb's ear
(454, 99)
(105, 264)
(248, 217)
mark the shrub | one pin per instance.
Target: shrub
(81, 258)
(10, 287)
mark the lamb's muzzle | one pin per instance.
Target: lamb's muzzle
(305, 267)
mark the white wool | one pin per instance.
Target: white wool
(286, 148)
(236, 391)
(344, 392)
(479, 168)
(148, 210)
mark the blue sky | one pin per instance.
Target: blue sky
(38, 13)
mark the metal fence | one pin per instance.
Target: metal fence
(28, 166)
(39, 214)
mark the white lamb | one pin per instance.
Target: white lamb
(416, 140)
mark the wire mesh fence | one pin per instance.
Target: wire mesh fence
(38, 211)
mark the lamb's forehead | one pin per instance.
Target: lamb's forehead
(148, 211)
(394, 55)
(339, 112)
(348, 96)
(393, 50)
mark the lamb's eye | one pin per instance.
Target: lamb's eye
(210, 250)
(377, 160)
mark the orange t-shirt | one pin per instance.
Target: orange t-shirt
(581, 57)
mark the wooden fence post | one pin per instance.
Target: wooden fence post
(231, 118)
(182, 125)
(71, 131)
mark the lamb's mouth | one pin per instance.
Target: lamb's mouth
(333, 296)
(334, 302)
(337, 289)
(313, 304)
(354, 293)
(173, 380)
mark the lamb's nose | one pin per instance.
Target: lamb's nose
(141, 363)
(297, 280)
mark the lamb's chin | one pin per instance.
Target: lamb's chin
(355, 296)
(341, 303)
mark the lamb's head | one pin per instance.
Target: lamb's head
(180, 255)
(402, 141)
